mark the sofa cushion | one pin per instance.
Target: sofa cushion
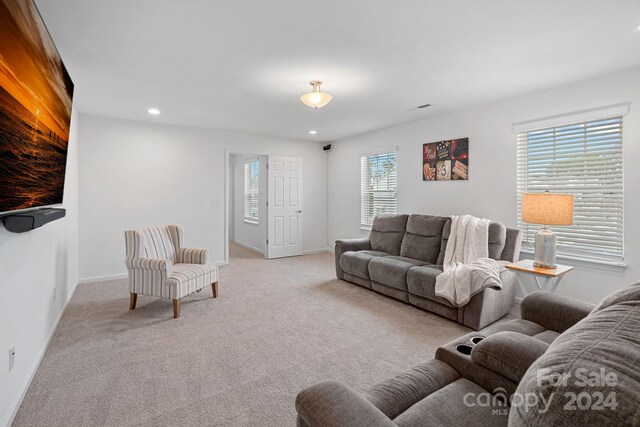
(357, 262)
(497, 240)
(446, 231)
(160, 242)
(446, 407)
(423, 237)
(392, 270)
(516, 325)
(629, 293)
(512, 245)
(605, 347)
(421, 281)
(387, 232)
(547, 336)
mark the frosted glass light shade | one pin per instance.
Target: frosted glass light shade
(316, 98)
(547, 208)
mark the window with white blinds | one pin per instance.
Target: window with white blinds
(251, 195)
(377, 186)
(583, 159)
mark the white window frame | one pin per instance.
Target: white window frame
(366, 192)
(610, 255)
(251, 205)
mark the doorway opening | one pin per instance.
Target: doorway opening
(263, 204)
(248, 202)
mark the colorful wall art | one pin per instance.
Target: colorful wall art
(446, 160)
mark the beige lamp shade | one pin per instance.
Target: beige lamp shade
(547, 208)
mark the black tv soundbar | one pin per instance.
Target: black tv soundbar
(29, 220)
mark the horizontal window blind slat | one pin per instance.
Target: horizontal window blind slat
(576, 236)
(571, 189)
(596, 154)
(575, 142)
(598, 162)
(251, 194)
(583, 159)
(378, 182)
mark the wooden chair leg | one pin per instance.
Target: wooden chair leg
(176, 308)
(214, 288)
(132, 300)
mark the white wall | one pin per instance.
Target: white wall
(248, 234)
(32, 266)
(135, 174)
(491, 190)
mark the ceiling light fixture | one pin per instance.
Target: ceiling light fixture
(153, 111)
(316, 98)
(313, 132)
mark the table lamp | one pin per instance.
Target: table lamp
(546, 209)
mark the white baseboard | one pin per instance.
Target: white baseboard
(248, 246)
(317, 251)
(305, 252)
(102, 278)
(43, 350)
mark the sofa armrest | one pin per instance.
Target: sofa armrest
(193, 256)
(490, 305)
(346, 245)
(363, 244)
(150, 264)
(333, 404)
(552, 311)
(508, 353)
(395, 395)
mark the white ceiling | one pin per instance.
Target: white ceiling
(242, 64)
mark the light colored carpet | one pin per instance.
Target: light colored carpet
(239, 360)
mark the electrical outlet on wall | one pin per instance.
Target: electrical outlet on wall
(12, 357)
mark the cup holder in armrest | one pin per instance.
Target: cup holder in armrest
(476, 340)
(464, 349)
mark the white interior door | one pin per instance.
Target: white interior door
(285, 207)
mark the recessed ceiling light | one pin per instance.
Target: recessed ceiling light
(153, 111)
(313, 132)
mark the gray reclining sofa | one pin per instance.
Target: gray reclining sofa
(564, 363)
(403, 255)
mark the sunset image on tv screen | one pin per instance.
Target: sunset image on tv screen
(35, 110)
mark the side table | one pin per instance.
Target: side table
(551, 277)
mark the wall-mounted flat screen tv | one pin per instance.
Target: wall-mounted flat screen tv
(35, 110)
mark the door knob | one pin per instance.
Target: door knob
(298, 211)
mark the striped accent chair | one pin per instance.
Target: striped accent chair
(160, 266)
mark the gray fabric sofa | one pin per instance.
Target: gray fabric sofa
(403, 255)
(509, 374)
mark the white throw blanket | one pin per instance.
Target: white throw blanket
(467, 266)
